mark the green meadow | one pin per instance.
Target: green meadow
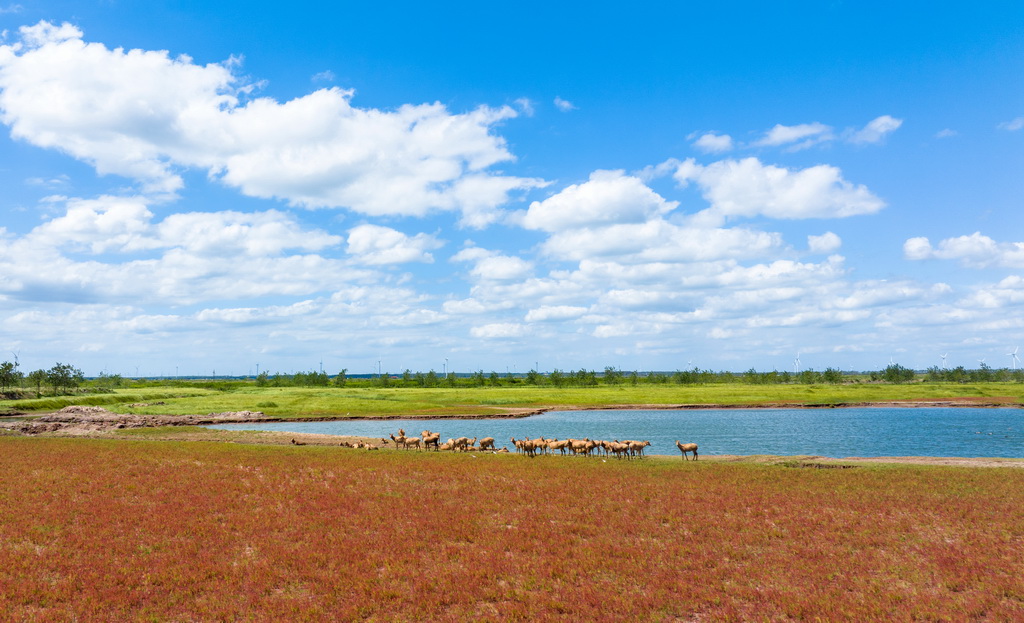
(339, 402)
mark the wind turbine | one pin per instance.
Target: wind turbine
(1014, 359)
(796, 364)
(944, 360)
(981, 363)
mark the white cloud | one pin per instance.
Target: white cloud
(975, 251)
(607, 197)
(554, 312)
(711, 143)
(1013, 125)
(373, 244)
(229, 233)
(825, 243)
(465, 306)
(472, 254)
(100, 225)
(563, 105)
(748, 188)
(502, 267)
(183, 259)
(875, 131)
(491, 265)
(145, 115)
(805, 134)
(125, 224)
(525, 106)
(323, 76)
(946, 133)
(660, 241)
(499, 330)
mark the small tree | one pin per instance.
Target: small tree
(37, 378)
(494, 379)
(612, 376)
(9, 375)
(895, 373)
(556, 378)
(342, 378)
(832, 375)
(64, 377)
(533, 377)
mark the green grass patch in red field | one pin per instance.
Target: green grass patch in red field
(125, 530)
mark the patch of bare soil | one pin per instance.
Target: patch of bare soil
(81, 420)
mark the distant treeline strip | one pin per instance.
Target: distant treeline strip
(894, 373)
(65, 378)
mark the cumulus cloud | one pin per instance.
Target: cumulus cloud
(711, 143)
(607, 197)
(376, 245)
(748, 188)
(1013, 125)
(875, 131)
(554, 312)
(803, 135)
(126, 224)
(184, 258)
(564, 105)
(147, 116)
(465, 306)
(975, 251)
(825, 243)
(658, 240)
(491, 265)
(499, 330)
(525, 106)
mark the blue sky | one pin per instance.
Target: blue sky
(203, 188)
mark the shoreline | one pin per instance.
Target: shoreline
(100, 423)
(524, 413)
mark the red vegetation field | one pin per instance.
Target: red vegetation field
(115, 531)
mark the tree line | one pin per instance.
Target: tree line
(63, 378)
(893, 373)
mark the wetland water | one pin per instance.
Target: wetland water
(843, 432)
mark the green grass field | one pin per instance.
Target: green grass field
(368, 402)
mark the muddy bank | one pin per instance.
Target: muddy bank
(83, 420)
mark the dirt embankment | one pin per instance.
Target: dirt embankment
(86, 420)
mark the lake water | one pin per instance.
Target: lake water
(872, 431)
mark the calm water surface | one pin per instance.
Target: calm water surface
(874, 431)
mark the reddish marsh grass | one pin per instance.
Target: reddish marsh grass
(98, 530)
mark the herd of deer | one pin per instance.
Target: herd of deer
(531, 447)
(428, 439)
